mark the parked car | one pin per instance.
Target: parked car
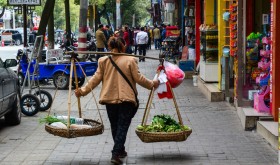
(16, 36)
(20, 29)
(9, 93)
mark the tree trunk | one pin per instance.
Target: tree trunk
(95, 18)
(68, 25)
(48, 9)
(51, 32)
(3, 11)
(90, 20)
(106, 14)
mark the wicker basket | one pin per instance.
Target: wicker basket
(97, 128)
(149, 137)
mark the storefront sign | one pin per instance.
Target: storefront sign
(6, 37)
(25, 2)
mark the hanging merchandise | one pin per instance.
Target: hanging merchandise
(226, 16)
(233, 29)
(262, 98)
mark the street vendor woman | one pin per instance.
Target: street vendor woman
(117, 94)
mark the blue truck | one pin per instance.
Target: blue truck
(57, 68)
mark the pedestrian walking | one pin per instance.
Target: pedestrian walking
(126, 38)
(142, 40)
(148, 46)
(100, 40)
(118, 94)
(157, 37)
(163, 33)
(135, 31)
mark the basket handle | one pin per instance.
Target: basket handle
(91, 92)
(176, 105)
(77, 86)
(148, 106)
(69, 92)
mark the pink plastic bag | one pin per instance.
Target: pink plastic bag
(175, 75)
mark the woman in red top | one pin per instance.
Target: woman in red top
(127, 40)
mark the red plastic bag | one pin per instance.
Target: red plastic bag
(175, 75)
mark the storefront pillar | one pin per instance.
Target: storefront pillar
(275, 62)
(221, 40)
(209, 10)
(240, 54)
(198, 9)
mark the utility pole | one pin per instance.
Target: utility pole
(82, 39)
(118, 13)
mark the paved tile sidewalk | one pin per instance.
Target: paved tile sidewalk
(217, 136)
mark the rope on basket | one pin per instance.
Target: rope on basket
(148, 106)
(95, 100)
(70, 85)
(54, 96)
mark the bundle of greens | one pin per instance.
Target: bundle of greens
(163, 123)
(51, 119)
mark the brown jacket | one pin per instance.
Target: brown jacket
(114, 87)
(156, 32)
(100, 39)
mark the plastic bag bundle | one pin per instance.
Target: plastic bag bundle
(175, 75)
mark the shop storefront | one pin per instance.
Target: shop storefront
(247, 57)
(208, 41)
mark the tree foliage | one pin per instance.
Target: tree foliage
(128, 8)
(59, 14)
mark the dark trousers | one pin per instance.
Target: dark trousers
(135, 49)
(99, 50)
(120, 116)
(157, 43)
(128, 50)
(142, 51)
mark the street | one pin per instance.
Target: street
(217, 137)
(8, 52)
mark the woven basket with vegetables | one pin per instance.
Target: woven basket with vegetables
(163, 127)
(59, 127)
(66, 126)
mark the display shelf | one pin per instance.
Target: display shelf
(209, 45)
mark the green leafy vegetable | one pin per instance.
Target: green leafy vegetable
(163, 123)
(50, 119)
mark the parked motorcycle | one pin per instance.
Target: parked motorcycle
(91, 46)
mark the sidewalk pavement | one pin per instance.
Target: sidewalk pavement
(217, 137)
